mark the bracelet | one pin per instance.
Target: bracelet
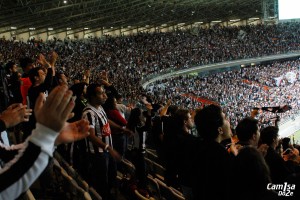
(106, 146)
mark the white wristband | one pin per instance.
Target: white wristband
(106, 146)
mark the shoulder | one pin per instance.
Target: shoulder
(119, 105)
(87, 110)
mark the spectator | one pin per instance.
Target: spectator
(139, 123)
(184, 157)
(251, 169)
(26, 161)
(278, 167)
(212, 164)
(100, 166)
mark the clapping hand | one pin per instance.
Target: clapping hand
(73, 131)
(54, 112)
(15, 114)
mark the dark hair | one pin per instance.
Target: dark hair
(109, 104)
(134, 118)
(9, 65)
(78, 88)
(118, 96)
(91, 90)
(285, 143)
(172, 109)
(246, 128)
(24, 62)
(33, 73)
(179, 117)
(208, 120)
(268, 134)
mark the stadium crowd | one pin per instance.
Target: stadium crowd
(136, 57)
(239, 91)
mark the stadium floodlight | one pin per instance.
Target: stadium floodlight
(32, 28)
(13, 28)
(69, 29)
(253, 18)
(234, 20)
(216, 21)
(50, 29)
(86, 28)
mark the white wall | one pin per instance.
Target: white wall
(117, 32)
(239, 23)
(62, 35)
(5, 35)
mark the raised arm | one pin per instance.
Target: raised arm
(18, 174)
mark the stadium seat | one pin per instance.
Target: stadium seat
(149, 166)
(153, 187)
(159, 171)
(139, 196)
(168, 192)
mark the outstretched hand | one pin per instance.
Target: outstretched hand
(15, 114)
(42, 61)
(73, 131)
(53, 58)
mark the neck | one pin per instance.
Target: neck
(186, 130)
(95, 105)
(218, 139)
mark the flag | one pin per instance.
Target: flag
(277, 109)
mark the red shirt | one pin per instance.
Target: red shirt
(116, 117)
(25, 85)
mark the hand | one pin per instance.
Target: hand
(54, 112)
(114, 154)
(149, 107)
(234, 149)
(169, 102)
(105, 83)
(193, 113)
(73, 131)
(42, 61)
(128, 132)
(104, 75)
(238, 147)
(87, 73)
(15, 114)
(53, 58)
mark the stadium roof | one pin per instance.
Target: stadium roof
(114, 14)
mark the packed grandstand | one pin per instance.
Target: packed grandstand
(131, 59)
